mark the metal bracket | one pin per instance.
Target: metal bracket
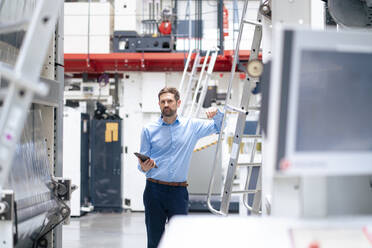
(64, 189)
(7, 205)
(7, 231)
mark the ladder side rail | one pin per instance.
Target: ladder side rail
(24, 80)
(205, 82)
(187, 94)
(233, 68)
(199, 83)
(256, 44)
(185, 71)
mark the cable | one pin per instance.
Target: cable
(15, 223)
(40, 235)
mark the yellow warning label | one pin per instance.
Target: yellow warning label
(206, 146)
(112, 132)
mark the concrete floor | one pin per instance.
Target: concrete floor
(106, 230)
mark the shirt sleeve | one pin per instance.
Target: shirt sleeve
(145, 146)
(208, 127)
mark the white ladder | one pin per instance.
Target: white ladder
(242, 111)
(203, 83)
(198, 82)
(186, 93)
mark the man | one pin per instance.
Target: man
(169, 142)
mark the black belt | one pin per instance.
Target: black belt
(183, 184)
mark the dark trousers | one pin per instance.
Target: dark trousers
(161, 203)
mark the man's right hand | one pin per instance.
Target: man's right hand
(147, 165)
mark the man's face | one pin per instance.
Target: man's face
(168, 104)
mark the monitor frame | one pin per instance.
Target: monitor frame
(285, 72)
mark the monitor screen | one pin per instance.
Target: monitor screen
(334, 102)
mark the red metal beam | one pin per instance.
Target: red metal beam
(119, 62)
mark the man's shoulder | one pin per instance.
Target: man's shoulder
(198, 120)
(185, 120)
(152, 125)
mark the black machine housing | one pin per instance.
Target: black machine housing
(131, 42)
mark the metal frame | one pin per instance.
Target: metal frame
(58, 127)
(156, 62)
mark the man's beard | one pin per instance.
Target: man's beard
(168, 112)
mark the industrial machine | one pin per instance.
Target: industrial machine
(165, 30)
(131, 42)
(76, 157)
(33, 195)
(106, 151)
(157, 27)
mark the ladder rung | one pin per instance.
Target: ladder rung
(252, 136)
(254, 108)
(13, 27)
(201, 65)
(236, 109)
(253, 22)
(250, 191)
(249, 164)
(192, 76)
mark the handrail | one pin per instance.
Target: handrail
(185, 71)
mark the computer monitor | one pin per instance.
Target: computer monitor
(325, 112)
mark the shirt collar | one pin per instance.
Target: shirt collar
(161, 122)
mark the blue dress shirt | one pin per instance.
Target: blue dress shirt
(171, 145)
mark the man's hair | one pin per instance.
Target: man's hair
(171, 90)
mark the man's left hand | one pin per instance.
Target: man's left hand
(211, 112)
